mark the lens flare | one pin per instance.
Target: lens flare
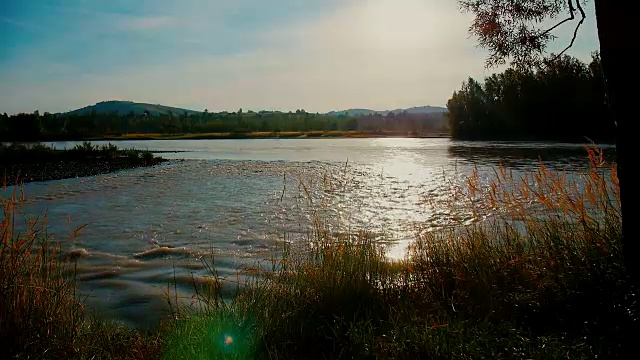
(228, 340)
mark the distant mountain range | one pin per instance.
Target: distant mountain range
(126, 107)
(412, 110)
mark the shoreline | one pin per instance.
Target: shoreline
(22, 173)
(555, 291)
(301, 135)
(267, 135)
(20, 164)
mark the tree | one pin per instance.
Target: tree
(563, 100)
(4, 125)
(513, 31)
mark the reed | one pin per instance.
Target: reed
(41, 315)
(543, 278)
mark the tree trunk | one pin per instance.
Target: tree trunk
(615, 21)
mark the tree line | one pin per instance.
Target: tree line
(562, 99)
(35, 126)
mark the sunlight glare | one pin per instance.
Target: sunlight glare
(392, 24)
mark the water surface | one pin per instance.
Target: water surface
(238, 198)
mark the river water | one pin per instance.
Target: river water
(237, 199)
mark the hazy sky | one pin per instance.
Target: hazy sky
(319, 55)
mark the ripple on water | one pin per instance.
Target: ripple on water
(150, 226)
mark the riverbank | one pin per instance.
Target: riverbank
(22, 164)
(546, 287)
(272, 135)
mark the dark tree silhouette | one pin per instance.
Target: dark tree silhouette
(512, 30)
(36, 127)
(563, 100)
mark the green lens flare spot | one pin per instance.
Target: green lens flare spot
(228, 340)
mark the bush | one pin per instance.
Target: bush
(147, 157)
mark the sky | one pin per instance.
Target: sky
(317, 55)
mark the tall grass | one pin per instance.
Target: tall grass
(550, 263)
(302, 303)
(542, 279)
(37, 301)
(40, 314)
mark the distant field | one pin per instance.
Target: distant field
(265, 134)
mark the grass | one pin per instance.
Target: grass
(544, 278)
(40, 314)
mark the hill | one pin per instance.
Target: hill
(126, 107)
(412, 110)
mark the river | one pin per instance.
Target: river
(236, 199)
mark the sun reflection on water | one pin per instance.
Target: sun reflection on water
(145, 223)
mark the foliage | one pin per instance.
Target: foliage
(564, 100)
(34, 127)
(513, 30)
(21, 153)
(36, 162)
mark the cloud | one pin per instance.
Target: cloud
(379, 54)
(145, 23)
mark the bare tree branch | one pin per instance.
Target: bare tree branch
(571, 17)
(575, 32)
(511, 31)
